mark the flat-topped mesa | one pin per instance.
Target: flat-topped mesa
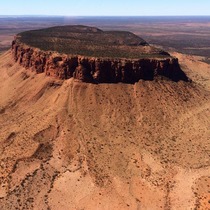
(92, 55)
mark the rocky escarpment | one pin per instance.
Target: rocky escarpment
(92, 55)
(89, 69)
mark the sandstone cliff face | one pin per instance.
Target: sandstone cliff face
(98, 70)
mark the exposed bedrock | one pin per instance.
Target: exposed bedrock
(98, 70)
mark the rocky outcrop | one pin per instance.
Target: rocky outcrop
(97, 70)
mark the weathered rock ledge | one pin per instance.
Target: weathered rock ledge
(98, 70)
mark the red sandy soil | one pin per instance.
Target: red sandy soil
(67, 145)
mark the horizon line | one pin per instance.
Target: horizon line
(42, 15)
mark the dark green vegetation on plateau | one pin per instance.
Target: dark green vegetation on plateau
(90, 41)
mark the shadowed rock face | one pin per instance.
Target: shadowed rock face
(98, 69)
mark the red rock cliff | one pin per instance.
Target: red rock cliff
(99, 70)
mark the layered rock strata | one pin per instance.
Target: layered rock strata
(99, 70)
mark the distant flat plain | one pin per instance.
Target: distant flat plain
(189, 35)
